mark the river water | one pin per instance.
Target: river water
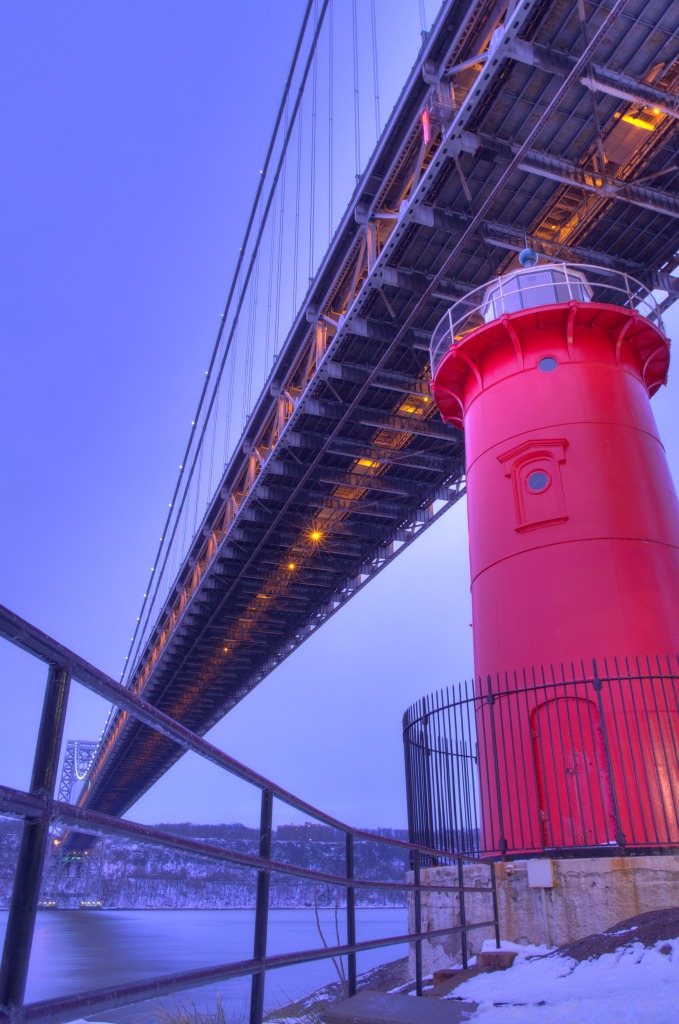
(78, 950)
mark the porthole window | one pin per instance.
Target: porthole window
(537, 481)
(547, 363)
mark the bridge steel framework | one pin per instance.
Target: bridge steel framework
(519, 123)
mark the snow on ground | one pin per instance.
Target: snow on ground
(632, 985)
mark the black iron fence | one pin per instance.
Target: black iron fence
(39, 811)
(566, 763)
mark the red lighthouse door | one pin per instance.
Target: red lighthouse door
(574, 789)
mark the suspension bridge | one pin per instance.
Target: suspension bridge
(316, 454)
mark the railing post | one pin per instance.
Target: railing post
(496, 912)
(35, 834)
(619, 835)
(463, 913)
(351, 915)
(418, 922)
(502, 842)
(262, 908)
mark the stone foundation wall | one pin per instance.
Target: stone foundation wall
(588, 894)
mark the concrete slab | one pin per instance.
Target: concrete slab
(368, 1007)
(455, 978)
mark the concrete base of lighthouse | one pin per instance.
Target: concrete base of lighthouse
(588, 895)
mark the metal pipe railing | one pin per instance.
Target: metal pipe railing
(39, 810)
(543, 284)
(551, 761)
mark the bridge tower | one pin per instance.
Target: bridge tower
(78, 760)
(73, 879)
(573, 523)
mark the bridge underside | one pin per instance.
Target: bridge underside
(561, 134)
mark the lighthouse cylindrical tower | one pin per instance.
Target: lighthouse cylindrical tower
(573, 516)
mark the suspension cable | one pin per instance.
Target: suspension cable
(241, 256)
(154, 581)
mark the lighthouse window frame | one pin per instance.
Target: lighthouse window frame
(538, 480)
(542, 507)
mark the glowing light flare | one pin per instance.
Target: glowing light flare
(426, 126)
(316, 536)
(291, 566)
(638, 122)
(413, 405)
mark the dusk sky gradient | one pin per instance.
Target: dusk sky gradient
(133, 134)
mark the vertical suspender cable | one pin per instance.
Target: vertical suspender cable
(197, 482)
(184, 529)
(213, 443)
(312, 168)
(279, 279)
(298, 197)
(331, 117)
(357, 113)
(250, 346)
(269, 299)
(231, 380)
(423, 19)
(376, 78)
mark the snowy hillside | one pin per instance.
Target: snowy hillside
(141, 875)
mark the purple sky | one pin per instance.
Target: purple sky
(132, 137)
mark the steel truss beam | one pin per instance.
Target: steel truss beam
(367, 417)
(507, 236)
(377, 484)
(601, 79)
(422, 461)
(558, 169)
(385, 381)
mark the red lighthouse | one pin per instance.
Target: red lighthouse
(574, 529)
